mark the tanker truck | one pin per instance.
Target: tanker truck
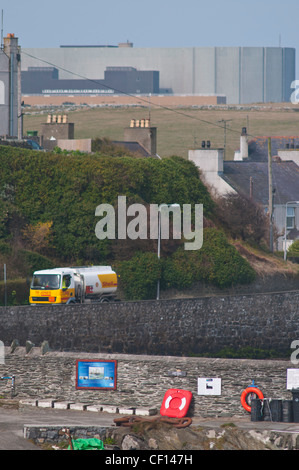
(73, 285)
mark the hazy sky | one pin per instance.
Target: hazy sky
(154, 23)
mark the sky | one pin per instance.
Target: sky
(155, 23)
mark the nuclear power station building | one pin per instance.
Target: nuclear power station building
(241, 74)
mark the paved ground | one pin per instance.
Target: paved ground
(12, 422)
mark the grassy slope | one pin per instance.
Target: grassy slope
(179, 129)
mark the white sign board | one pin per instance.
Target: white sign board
(208, 386)
(292, 378)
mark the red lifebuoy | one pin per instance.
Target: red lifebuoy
(246, 392)
(176, 403)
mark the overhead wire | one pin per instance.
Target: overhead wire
(147, 101)
(142, 99)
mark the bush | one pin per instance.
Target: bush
(66, 189)
(242, 218)
(217, 263)
(139, 276)
(17, 292)
(293, 250)
(34, 261)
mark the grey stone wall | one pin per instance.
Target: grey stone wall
(142, 381)
(151, 340)
(167, 327)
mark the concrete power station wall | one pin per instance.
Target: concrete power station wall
(243, 74)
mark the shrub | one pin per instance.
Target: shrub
(139, 276)
(294, 248)
(242, 218)
(17, 292)
(34, 262)
(217, 263)
(66, 189)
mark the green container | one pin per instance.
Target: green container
(32, 133)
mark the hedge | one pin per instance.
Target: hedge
(217, 263)
(66, 189)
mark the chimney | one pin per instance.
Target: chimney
(12, 50)
(140, 131)
(210, 161)
(244, 144)
(243, 152)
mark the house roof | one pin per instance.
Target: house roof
(133, 147)
(258, 147)
(285, 176)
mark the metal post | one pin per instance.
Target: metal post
(11, 98)
(159, 249)
(285, 234)
(270, 193)
(5, 287)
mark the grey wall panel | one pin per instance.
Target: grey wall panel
(252, 75)
(204, 77)
(244, 75)
(289, 72)
(227, 73)
(273, 74)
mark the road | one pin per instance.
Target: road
(12, 422)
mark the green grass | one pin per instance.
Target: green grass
(180, 129)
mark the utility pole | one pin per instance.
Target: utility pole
(224, 121)
(270, 193)
(5, 285)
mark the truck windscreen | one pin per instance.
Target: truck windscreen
(45, 281)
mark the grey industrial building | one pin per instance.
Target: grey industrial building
(45, 80)
(242, 74)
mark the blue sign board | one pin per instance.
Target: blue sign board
(96, 374)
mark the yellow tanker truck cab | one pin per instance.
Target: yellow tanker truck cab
(51, 287)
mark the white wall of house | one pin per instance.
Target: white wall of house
(210, 163)
(289, 154)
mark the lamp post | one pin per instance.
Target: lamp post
(285, 229)
(159, 237)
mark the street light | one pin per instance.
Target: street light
(159, 237)
(285, 229)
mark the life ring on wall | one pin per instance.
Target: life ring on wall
(176, 403)
(246, 392)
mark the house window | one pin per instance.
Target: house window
(290, 217)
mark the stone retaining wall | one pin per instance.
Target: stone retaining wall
(143, 380)
(151, 341)
(167, 327)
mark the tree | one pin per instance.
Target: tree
(37, 236)
(242, 217)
